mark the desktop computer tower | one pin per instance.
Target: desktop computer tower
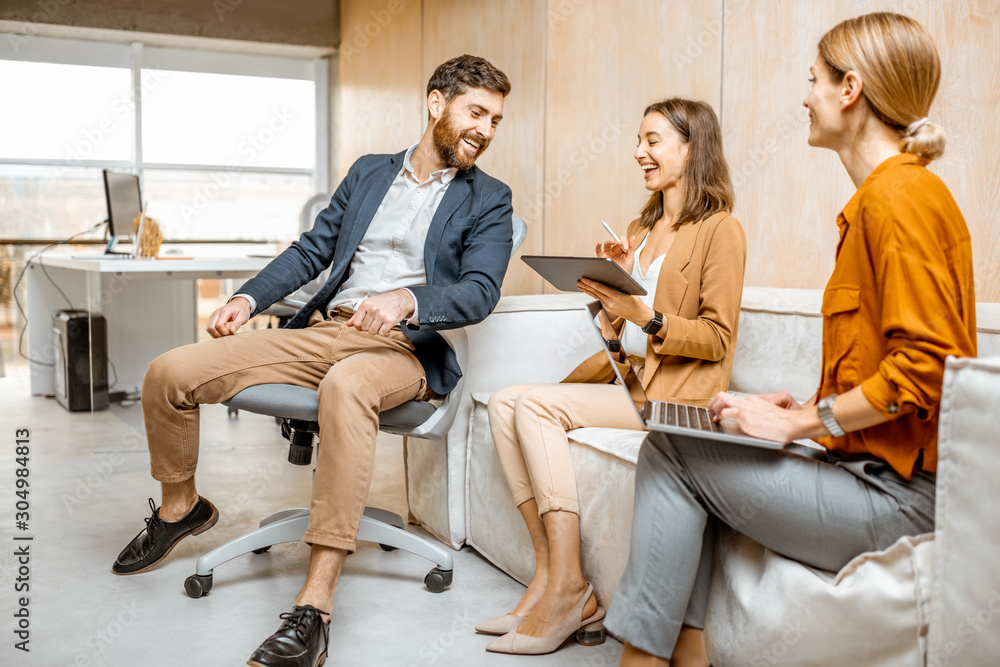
(77, 342)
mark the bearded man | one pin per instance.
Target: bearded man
(415, 242)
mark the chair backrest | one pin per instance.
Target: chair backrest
(312, 208)
(520, 232)
(307, 218)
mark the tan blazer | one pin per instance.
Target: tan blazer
(699, 293)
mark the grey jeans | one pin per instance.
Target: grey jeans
(821, 511)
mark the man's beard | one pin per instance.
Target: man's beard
(447, 141)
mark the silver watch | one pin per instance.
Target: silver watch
(825, 407)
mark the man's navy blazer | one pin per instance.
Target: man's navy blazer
(465, 257)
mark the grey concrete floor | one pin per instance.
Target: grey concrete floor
(89, 480)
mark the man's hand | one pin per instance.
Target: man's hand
(228, 319)
(380, 313)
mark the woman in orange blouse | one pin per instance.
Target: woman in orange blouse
(900, 300)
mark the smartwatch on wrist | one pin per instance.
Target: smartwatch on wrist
(654, 325)
(825, 407)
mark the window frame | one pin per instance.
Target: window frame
(136, 56)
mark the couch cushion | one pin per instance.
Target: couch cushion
(965, 616)
(765, 609)
(778, 344)
(621, 444)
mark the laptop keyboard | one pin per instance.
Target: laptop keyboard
(685, 416)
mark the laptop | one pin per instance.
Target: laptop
(679, 418)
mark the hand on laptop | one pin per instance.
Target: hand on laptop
(783, 400)
(229, 318)
(759, 416)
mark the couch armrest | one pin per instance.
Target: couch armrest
(965, 592)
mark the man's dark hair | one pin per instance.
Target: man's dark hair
(459, 74)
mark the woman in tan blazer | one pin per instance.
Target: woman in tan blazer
(690, 254)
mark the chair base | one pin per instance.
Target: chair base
(289, 525)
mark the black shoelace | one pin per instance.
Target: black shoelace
(295, 620)
(154, 522)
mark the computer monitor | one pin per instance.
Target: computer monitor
(124, 204)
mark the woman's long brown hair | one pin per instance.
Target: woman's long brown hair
(708, 188)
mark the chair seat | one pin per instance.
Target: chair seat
(290, 401)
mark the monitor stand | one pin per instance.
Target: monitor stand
(109, 249)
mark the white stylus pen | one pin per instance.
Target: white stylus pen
(613, 235)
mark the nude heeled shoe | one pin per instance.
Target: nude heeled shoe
(589, 632)
(500, 625)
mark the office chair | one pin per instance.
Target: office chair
(298, 410)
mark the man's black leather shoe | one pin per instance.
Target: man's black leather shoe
(154, 542)
(301, 641)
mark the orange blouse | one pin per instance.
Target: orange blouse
(900, 300)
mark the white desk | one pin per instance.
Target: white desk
(151, 306)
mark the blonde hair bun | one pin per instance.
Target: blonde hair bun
(924, 138)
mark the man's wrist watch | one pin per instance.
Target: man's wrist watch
(825, 407)
(654, 325)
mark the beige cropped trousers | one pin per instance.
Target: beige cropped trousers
(356, 373)
(529, 423)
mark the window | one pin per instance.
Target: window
(227, 146)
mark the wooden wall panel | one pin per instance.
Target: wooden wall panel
(511, 35)
(381, 106)
(789, 194)
(967, 34)
(605, 63)
(583, 71)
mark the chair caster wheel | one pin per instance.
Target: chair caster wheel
(197, 585)
(262, 550)
(386, 547)
(437, 580)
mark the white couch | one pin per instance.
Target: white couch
(764, 609)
